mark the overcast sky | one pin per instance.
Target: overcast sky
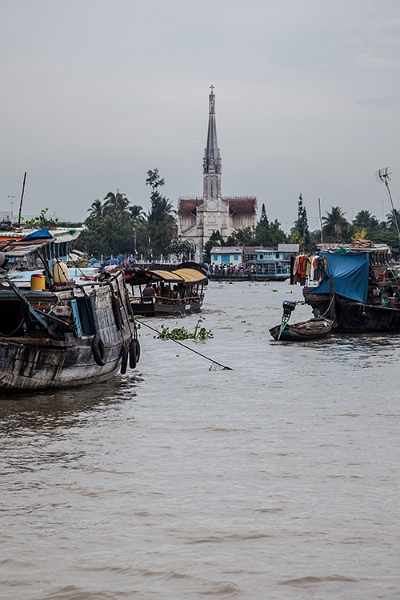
(94, 93)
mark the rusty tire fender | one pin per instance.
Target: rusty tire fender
(98, 350)
(132, 354)
(137, 345)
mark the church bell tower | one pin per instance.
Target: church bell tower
(212, 157)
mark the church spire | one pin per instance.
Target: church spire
(212, 156)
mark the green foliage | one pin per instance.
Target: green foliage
(180, 333)
(42, 220)
(264, 219)
(365, 220)
(110, 227)
(215, 240)
(181, 248)
(244, 237)
(301, 226)
(161, 218)
(336, 228)
(276, 234)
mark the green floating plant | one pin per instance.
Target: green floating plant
(181, 333)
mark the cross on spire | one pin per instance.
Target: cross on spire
(212, 89)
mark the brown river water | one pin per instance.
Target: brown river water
(279, 479)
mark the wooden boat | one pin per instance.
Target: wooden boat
(361, 290)
(177, 292)
(314, 329)
(59, 333)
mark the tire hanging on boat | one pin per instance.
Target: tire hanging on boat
(98, 350)
(124, 359)
(132, 354)
(137, 349)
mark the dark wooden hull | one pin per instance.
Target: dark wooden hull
(161, 310)
(29, 363)
(37, 367)
(314, 329)
(355, 317)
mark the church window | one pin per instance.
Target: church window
(212, 186)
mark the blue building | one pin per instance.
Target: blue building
(225, 255)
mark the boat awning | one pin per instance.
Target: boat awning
(141, 276)
(350, 275)
(191, 275)
(168, 276)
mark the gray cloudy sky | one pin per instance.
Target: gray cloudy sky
(94, 93)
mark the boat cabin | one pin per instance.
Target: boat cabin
(179, 291)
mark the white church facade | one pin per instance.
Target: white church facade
(198, 217)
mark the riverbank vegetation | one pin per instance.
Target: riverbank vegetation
(115, 226)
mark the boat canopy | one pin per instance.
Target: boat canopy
(141, 276)
(191, 275)
(168, 276)
(350, 275)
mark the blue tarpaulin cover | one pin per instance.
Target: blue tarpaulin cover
(350, 275)
(41, 234)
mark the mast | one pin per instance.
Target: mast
(22, 197)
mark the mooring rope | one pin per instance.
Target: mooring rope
(214, 362)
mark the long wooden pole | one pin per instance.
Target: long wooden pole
(320, 218)
(22, 197)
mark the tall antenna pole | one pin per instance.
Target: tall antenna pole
(22, 197)
(320, 219)
(384, 176)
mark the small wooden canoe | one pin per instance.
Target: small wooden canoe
(314, 329)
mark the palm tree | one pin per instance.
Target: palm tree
(365, 220)
(137, 214)
(392, 218)
(96, 209)
(335, 223)
(116, 202)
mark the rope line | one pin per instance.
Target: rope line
(224, 367)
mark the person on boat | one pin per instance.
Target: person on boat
(148, 294)
(175, 293)
(181, 291)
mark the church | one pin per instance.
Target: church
(199, 216)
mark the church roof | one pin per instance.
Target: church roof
(186, 206)
(242, 205)
(239, 205)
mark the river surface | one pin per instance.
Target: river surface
(279, 479)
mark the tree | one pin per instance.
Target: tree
(214, 240)
(263, 218)
(181, 248)
(245, 236)
(301, 225)
(262, 228)
(365, 220)
(335, 224)
(276, 234)
(161, 217)
(96, 209)
(110, 227)
(392, 217)
(137, 214)
(115, 203)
